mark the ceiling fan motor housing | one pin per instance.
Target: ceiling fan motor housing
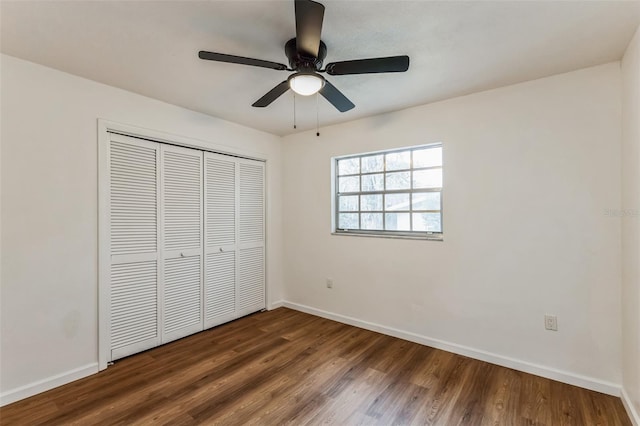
(299, 62)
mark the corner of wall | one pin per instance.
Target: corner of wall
(630, 228)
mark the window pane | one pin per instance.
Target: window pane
(397, 222)
(426, 201)
(398, 160)
(373, 182)
(429, 222)
(371, 220)
(371, 202)
(399, 180)
(348, 221)
(396, 201)
(427, 157)
(349, 166)
(373, 163)
(427, 178)
(349, 184)
(349, 203)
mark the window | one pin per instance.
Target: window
(390, 193)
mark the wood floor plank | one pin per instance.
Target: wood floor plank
(535, 395)
(287, 367)
(503, 398)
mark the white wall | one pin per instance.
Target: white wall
(631, 224)
(49, 212)
(529, 171)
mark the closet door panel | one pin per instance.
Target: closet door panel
(220, 288)
(133, 225)
(220, 194)
(182, 296)
(251, 224)
(251, 280)
(134, 308)
(182, 203)
(134, 198)
(251, 257)
(182, 241)
(220, 239)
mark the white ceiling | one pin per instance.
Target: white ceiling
(150, 47)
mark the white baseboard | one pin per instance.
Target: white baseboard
(631, 409)
(49, 383)
(527, 367)
(275, 305)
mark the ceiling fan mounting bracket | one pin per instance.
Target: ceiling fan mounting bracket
(300, 62)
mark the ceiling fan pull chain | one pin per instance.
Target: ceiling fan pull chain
(317, 114)
(294, 110)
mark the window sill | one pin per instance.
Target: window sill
(434, 237)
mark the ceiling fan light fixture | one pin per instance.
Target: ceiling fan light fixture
(306, 84)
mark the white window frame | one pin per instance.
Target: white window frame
(335, 210)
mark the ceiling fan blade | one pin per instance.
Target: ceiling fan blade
(232, 59)
(309, 16)
(272, 95)
(335, 97)
(369, 66)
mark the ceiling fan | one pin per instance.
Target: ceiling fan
(306, 52)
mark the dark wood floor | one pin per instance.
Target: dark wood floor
(286, 367)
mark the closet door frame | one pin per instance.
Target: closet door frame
(105, 127)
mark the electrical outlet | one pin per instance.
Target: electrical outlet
(551, 322)
(329, 283)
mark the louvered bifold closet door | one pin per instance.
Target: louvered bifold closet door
(220, 177)
(181, 209)
(251, 247)
(133, 232)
